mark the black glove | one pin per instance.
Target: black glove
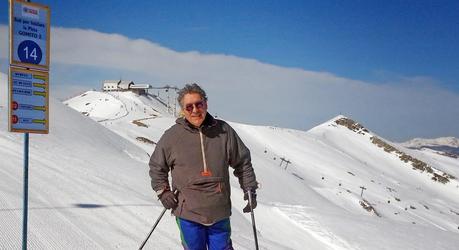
(168, 199)
(253, 195)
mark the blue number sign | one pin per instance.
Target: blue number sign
(30, 35)
(29, 52)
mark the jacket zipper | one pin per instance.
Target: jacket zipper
(204, 161)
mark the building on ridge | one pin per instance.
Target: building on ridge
(124, 85)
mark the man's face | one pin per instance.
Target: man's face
(194, 108)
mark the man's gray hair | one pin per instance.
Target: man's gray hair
(191, 88)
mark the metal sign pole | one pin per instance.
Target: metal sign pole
(26, 188)
(26, 191)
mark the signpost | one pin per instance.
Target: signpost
(28, 79)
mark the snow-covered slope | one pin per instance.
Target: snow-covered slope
(314, 202)
(319, 192)
(125, 113)
(333, 162)
(88, 186)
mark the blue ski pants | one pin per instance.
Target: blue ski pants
(196, 236)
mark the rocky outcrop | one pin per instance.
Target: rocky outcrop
(415, 163)
(367, 206)
(145, 140)
(352, 125)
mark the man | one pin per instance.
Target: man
(198, 151)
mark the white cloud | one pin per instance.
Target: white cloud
(247, 90)
(4, 41)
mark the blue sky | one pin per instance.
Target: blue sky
(367, 40)
(381, 43)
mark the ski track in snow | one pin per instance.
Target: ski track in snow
(298, 215)
(126, 113)
(10, 218)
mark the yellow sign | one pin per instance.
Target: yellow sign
(29, 101)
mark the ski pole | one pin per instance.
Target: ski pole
(151, 231)
(253, 220)
(154, 226)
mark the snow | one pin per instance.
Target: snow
(442, 141)
(90, 189)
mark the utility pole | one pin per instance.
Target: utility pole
(175, 103)
(286, 162)
(167, 89)
(286, 165)
(363, 188)
(282, 161)
(168, 102)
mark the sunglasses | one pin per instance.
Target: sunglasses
(198, 105)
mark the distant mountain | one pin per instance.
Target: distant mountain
(448, 146)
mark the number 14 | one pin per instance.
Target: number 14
(33, 53)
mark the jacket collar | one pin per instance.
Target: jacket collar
(208, 122)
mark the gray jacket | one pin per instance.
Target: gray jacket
(187, 152)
